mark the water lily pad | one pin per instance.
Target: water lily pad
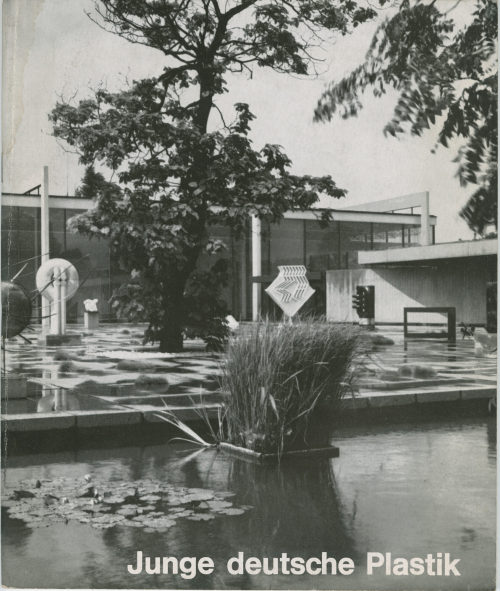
(155, 523)
(149, 504)
(178, 515)
(150, 498)
(175, 501)
(164, 522)
(217, 505)
(114, 500)
(131, 523)
(127, 512)
(232, 511)
(199, 496)
(201, 517)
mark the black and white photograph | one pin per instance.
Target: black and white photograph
(249, 294)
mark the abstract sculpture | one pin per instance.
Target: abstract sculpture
(291, 289)
(57, 281)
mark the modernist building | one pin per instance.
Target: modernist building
(389, 244)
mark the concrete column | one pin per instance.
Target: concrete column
(44, 240)
(62, 309)
(243, 281)
(256, 266)
(425, 226)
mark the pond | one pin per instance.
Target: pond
(406, 489)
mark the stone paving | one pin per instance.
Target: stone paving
(111, 378)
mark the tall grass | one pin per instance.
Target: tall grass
(276, 375)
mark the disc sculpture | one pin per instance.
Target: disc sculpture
(57, 281)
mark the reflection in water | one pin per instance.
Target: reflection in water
(56, 399)
(491, 434)
(296, 509)
(409, 490)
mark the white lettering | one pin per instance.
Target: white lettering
(374, 560)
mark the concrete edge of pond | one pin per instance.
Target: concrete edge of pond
(128, 416)
(266, 458)
(369, 400)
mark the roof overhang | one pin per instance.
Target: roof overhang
(55, 201)
(68, 202)
(433, 252)
(376, 217)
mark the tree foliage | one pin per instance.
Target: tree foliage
(177, 171)
(445, 76)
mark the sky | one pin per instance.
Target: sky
(51, 49)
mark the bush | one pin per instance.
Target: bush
(277, 375)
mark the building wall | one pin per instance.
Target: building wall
(461, 284)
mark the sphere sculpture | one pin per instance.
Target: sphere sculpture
(16, 309)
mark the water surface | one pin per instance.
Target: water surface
(407, 489)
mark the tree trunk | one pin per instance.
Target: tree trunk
(171, 339)
(172, 326)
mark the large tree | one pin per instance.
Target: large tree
(445, 75)
(178, 172)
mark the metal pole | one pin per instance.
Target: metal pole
(44, 241)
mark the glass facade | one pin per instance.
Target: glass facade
(91, 257)
(335, 246)
(322, 247)
(305, 242)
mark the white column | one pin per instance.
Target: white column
(425, 226)
(62, 309)
(44, 238)
(243, 281)
(256, 266)
(55, 319)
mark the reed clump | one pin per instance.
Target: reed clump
(276, 376)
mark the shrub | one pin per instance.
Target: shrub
(277, 375)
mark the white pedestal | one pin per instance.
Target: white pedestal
(91, 320)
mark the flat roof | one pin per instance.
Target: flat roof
(72, 202)
(433, 252)
(344, 215)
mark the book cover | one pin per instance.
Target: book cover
(249, 294)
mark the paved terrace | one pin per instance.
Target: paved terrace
(110, 379)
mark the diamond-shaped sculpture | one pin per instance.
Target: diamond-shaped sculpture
(290, 290)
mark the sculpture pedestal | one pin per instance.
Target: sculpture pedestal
(91, 320)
